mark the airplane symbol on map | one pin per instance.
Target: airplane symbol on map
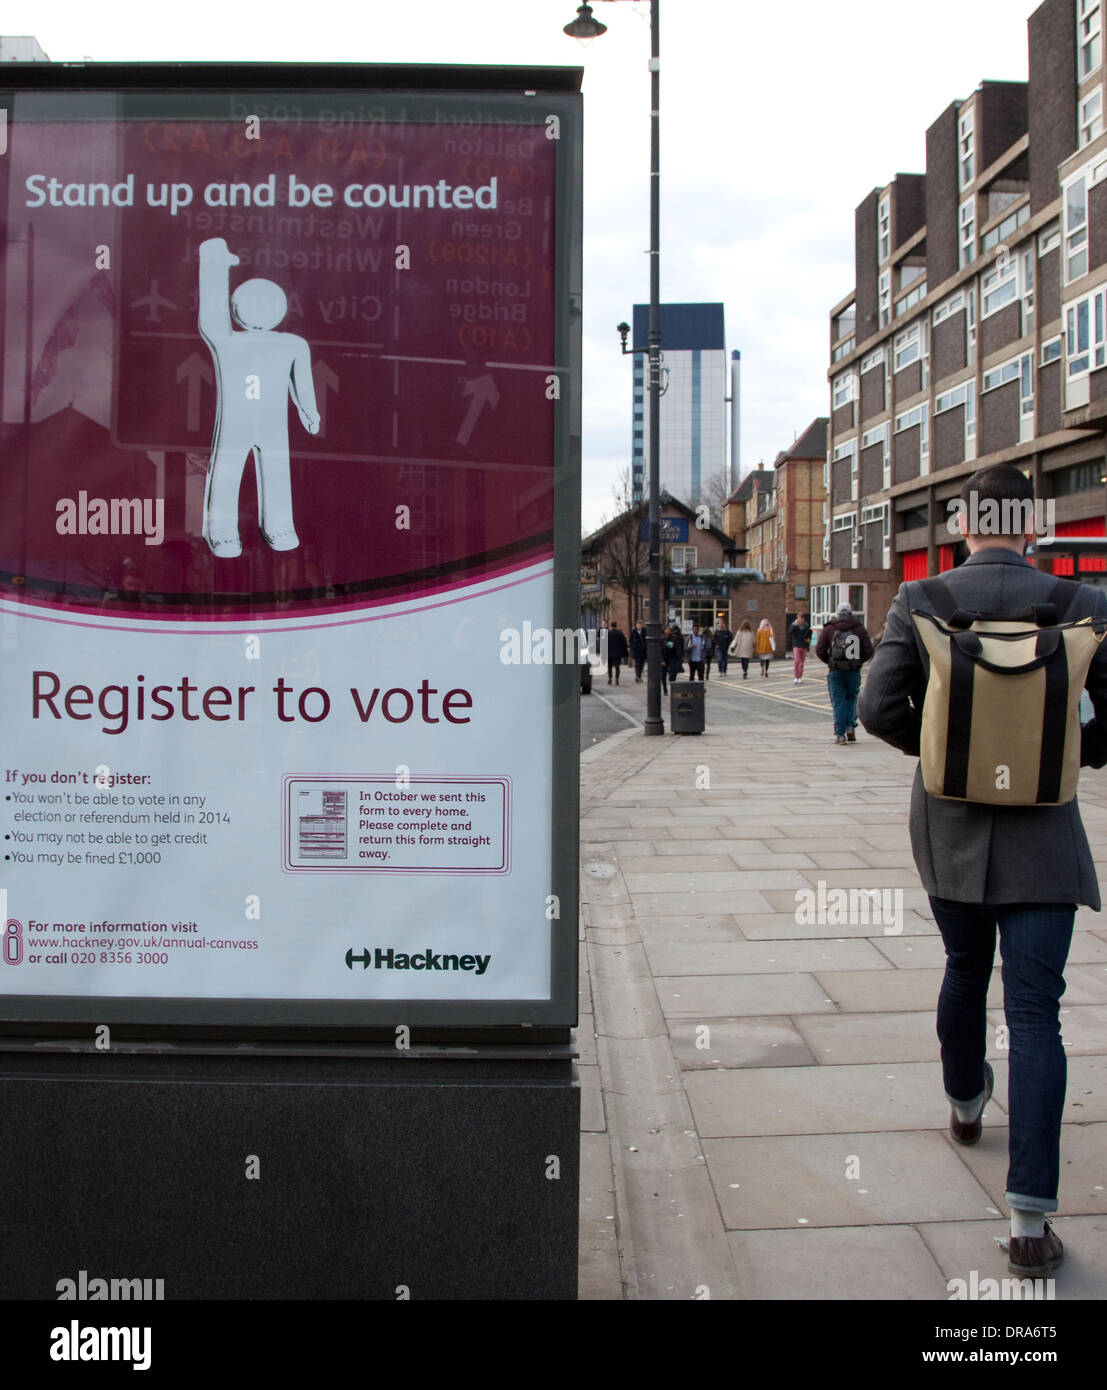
(153, 301)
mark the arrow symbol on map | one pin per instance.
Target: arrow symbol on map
(194, 370)
(325, 380)
(484, 393)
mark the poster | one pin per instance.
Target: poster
(286, 460)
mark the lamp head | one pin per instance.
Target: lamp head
(585, 27)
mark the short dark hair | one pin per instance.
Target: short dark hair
(999, 483)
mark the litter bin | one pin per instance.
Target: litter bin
(686, 708)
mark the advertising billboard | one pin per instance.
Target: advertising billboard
(289, 461)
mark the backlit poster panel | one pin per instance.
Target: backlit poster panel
(287, 512)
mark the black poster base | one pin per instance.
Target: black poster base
(285, 1177)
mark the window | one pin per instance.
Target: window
(884, 227)
(1002, 230)
(1051, 350)
(1000, 285)
(845, 522)
(960, 395)
(919, 415)
(967, 159)
(1091, 117)
(906, 347)
(1048, 238)
(849, 450)
(843, 349)
(954, 304)
(683, 556)
(844, 389)
(845, 323)
(1086, 333)
(910, 299)
(1082, 478)
(1076, 229)
(1087, 37)
(1018, 369)
(967, 219)
(880, 435)
(874, 359)
(885, 286)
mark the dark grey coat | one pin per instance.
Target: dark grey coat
(971, 852)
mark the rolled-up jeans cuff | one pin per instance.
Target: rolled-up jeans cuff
(1043, 1204)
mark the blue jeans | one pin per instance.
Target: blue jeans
(844, 687)
(1034, 943)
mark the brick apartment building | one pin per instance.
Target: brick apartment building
(779, 514)
(976, 331)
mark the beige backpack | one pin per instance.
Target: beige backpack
(1001, 718)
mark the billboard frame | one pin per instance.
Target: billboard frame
(483, 91)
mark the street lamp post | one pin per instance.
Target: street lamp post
(586, 27)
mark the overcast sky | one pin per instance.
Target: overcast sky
(777, 119)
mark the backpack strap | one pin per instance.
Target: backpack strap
(1060, 596)
(944, 604)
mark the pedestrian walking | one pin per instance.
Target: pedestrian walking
(617, 651)
(845, 646)
(723, 639)
(638, 649)
(695, 653)
(1018, 869)
(708, 651)
(766, 645)
(744, 647)
(799, 639)
(672, 656)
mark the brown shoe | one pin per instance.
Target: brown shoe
(1035, 1257)
(970, 1133)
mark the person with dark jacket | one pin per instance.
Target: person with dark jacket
(617, 652)
(723, 638)
(845, 658)
(799, 639)
(672, 655)
(638, 649)
(708, 651)
(1018, 870)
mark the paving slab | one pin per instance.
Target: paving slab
(895, 991)
(842, 1180)
(712, 1043)
(824, 1100)
(959, 1247)
(710, 996)
(674, 955)
(1082, 1190)
(680, 904)
(781, 926)
(864, 1263)
(842, 1039)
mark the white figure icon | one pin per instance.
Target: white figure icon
(256, 370)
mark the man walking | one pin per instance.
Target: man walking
(1019, 870)
(799, 638)
(695, 654)
(638, 649)
(845, 646)
(616, 652)
(723, 639)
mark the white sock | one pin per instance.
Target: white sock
(1027, 1223)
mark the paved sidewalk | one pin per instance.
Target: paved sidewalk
(763, 1107)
